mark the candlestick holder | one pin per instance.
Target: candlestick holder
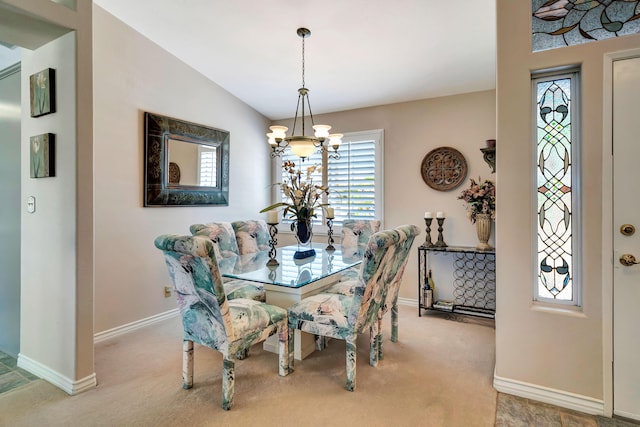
(440, 243)
(427, 240)
(330, 247)
(273, 231)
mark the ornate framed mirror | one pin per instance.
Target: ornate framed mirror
(185, 164)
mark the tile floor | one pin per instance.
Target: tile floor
(10, 375)
(515, 411)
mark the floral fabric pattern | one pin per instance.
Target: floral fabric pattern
(252, 236)
(221, 234)
(345, 316)
(209, 318)
(358, 232)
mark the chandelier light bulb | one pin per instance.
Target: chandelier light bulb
(279, 132)
(335, 139)
(272, 139)
(302, 148)
(321, 131)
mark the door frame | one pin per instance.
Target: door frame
(607, 223)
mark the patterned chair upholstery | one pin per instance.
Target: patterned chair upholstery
(209, 318)
(355, 236)
(347, 287)
(252, 236)
(345, 316)
(226, 249)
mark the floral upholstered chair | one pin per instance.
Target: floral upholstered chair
(221, 234)
(345, 316)
(226, 249)
(355, 236)
(252, 236)
(212, 320)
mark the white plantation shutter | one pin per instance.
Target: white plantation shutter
(352, 181)
(207, 166)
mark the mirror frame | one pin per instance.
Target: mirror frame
(158, 130)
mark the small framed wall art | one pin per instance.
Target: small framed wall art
(42, 92)
(42, 149)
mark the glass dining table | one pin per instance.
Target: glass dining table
(292, 279)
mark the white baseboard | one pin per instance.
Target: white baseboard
(408, 301)
(66, 384)
(121, 330)
(555, 397)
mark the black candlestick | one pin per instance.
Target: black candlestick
(273, 231)
(427, 240)
(440, 243)
(330, 234)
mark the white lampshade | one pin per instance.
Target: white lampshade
(321, 131)
(301, 147)
(279, 132)
(272, 139)
(335, 139)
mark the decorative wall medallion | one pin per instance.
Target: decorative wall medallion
(174, 173)
(444, 168)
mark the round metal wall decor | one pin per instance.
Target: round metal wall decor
(444, 168)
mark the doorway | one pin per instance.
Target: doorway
(10, 222)
(626, 237)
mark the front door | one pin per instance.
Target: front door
(626, 240)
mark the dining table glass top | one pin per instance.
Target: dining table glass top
(291, 273)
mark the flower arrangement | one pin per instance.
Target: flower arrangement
(480, 198)
(304, 196)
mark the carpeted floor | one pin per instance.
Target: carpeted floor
(438, 374)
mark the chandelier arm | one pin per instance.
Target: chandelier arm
(295, 118)
(319, 144)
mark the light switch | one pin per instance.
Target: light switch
(31, 204)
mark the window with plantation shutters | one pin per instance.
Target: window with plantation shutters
(354, 180)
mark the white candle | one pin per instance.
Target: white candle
(272, 217)
(428, 215)
(440, 214)
(330, 213)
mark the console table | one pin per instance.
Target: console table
(474, 280)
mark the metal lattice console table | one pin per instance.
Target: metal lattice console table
(474, 280)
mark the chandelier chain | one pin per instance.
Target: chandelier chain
(303, 84)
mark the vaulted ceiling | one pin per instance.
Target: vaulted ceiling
(361, 52)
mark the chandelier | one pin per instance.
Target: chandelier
(303, 145)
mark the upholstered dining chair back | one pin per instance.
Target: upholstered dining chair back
(222, 236)
(252, 236)
(345, 315)
(208, 317)
(384, 261)
(356, 232)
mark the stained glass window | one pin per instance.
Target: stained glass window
(555, 174)
(558, 23)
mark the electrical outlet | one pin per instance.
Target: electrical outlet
(167, 291)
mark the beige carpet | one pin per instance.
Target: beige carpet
(438, 374)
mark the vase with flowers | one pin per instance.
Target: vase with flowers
(303, 199)
(480, 198)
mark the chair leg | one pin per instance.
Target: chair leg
(394, 323)
(283, 350)
(242, 354)
(187, 364)
(380, 340)
(291, 348)
(373, 344)
(228, 383)
(351, 363)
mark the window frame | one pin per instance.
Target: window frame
(573, 73)
(320, 227)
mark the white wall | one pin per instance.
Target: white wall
(133, 75)
(549, 351)
(48, 319)
(10, 111)
(411, 130)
